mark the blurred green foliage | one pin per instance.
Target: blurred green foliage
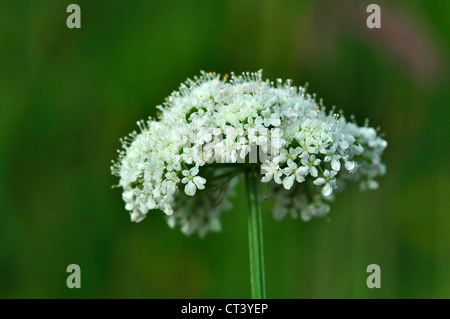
(66, 96)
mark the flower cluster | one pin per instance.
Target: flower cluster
(211, 128)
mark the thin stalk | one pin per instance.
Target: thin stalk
(255, 235)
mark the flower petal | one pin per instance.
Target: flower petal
(302, 170)
(350, 165)
(327, 190)
(194, 171)
(266, 178)
(335, 165)
(277, 176)
(288, 181)
(199, 182)
(313, 171)
(151, 203)
(319, 181)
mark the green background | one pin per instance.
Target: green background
(67, 96)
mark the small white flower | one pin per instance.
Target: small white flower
(309, 163)
(269, 169)
(307, 145)
(192, 181)
(204, 136)
(291, 167)
(271, 118)
(328, 182)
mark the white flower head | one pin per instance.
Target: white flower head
(183, 163)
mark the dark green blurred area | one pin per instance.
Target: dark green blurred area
(67, 96)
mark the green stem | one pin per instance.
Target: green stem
(255, 234)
